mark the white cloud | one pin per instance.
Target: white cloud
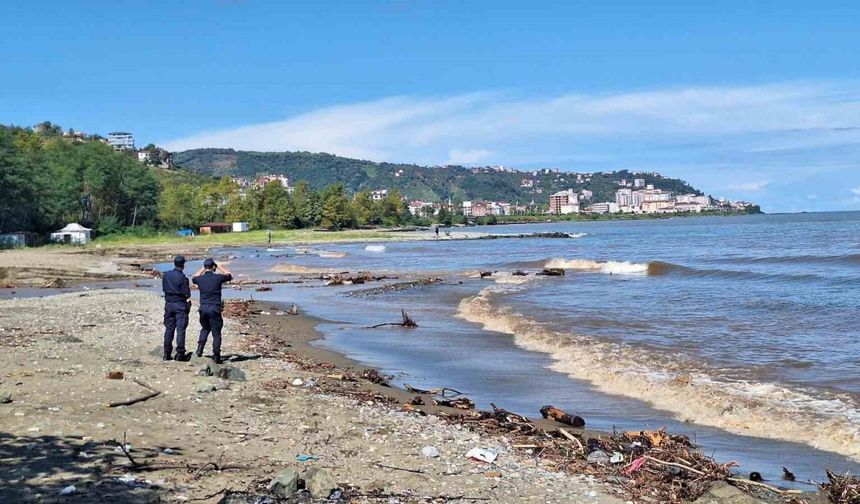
(753, 186)
(855, 191)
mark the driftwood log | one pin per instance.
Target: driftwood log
(562, 416)
(440, 391)
(152, 393)
(406, 322)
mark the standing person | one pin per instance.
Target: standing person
(209, 280)
(437, 231)
(177, 305)
(270, 236)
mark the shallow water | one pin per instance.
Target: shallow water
(758, 313)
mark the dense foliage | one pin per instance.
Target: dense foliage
(47, 181)
(416, 182)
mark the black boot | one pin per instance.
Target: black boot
(183, 356)
(217, 358)
(200, 347)
(167, 356)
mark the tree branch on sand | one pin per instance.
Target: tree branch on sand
(407, 322)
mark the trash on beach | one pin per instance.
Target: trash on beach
(375, 248)
(597, 457)
(562, 416)
(482, 455)
(616, 458)
(306, 458)
(298, 382)
(115, 375)
(430, 452)
(841, 489)
(788, 475)
(463, 403)
(69, 490)
(635, 465)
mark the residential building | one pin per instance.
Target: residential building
(121, 140)
(564, 202)
(215, 227)
(421, 208)
(467, 208)
(624, 197)
(240, 227)
(692, 198)
(527, 183)
(585, 194)
(638, 183)
(379, 195)
(262, 180)
(658, 206)
(605, 207)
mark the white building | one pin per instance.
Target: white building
(624, 197)
(564, 202)
(379, 195)
(73, 234)
(467, 208)
(605, 207)
(638, 183)
(240, 227)
(703, 200)
(121, 140)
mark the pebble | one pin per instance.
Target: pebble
(598, 457)
(430, 452)
(206, 387)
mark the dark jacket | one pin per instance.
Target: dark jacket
(210, 284)
(175, 285)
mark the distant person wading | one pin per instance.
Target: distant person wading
(209, 279)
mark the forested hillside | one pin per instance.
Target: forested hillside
(416, 182)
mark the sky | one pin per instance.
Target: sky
(753, 100)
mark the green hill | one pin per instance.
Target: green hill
(416, 182)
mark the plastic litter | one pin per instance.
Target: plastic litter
(430, 451)
(636, 465)
(598, 457)
(306, 458)
(69, 490)
(298, 382)
(616, 458)
(482, 454)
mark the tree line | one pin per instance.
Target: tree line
(48, 181)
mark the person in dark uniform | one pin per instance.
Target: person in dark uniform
(177, 304)
(209, 280)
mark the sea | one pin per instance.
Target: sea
(742, 332)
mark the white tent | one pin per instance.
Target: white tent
(72, 233)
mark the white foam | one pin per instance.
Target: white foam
(608, 267)
(375, 248)
(689, 389)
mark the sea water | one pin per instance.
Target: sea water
(739, 331)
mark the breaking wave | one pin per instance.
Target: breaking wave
(690, 389)
(608, 267)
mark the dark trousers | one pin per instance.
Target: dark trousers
(175, 320)
(211, 321)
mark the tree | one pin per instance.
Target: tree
(445, 217)
(362, 208)
(174, 208)
(335, 208)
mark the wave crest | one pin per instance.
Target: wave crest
(608, 267)
(688, 389)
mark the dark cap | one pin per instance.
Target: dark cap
(209, 263)
(179, 261)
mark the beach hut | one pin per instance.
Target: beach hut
(240, 227)
(73, 233)
(215, 227)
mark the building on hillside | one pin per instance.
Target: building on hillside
(703, 200)
(624, 197)
(658, 206)
(73, 233)
(563, 202)
(379, 195)
(121, 140)
(262, 180)
(527, 183)
(466, 206)
(421, 208)
(605, 207)
(215, 227)
(585, 194)
(242, 182)
(638, 183)
(687, 206)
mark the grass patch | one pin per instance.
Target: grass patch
(259, 237)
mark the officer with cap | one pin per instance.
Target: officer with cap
(177, 304)
(209, 280)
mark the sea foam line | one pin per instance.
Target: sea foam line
(765, 410)
(608, 267)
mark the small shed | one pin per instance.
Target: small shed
(215, 227)
(73, 233)
(16, 239)
(240, 227)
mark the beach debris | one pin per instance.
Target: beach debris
(756, 476)
(788, 475)
(493, 474)
(298, 382)
(519, 273)
(482, 455)
(237, 308)
(56, 283)
(319, 482)
(406, 322)
(361, 277)
(485, 274)
(285, 483)
(616, 458)
(441, 391)
(463, 403)
(294, 310)
(430, 452)
(152, 393)
(306, 458)
(562, 416)
(223, 371)
(841, 489)
(376, 377)
(69, 490)
(114, 375)
(263, 288)
(416, 401)
(552, 272)
(5, 397)
(597, 457)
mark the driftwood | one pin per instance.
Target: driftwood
(407, 322)
(485, 274)
(463, 403)
(360, 278)
(562, 416)
(152, 393)
(441, 391)
(552, 272)
(122, 447)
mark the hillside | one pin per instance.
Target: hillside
(417, 182)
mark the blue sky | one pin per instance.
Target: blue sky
(752, 100)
